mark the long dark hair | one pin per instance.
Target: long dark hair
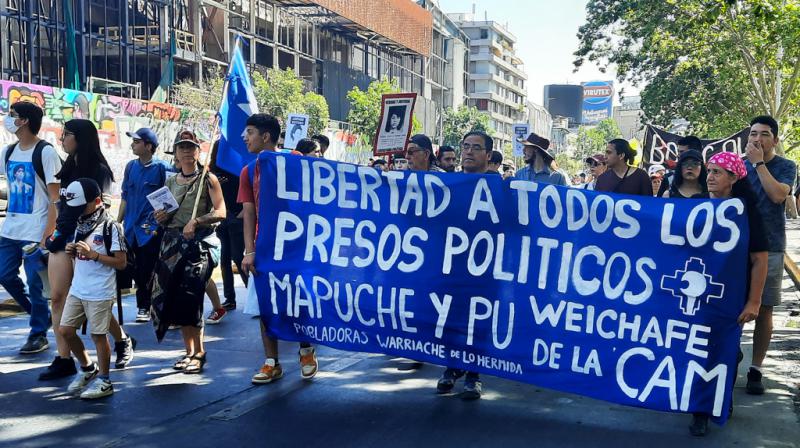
(87, 160)
(677, 178)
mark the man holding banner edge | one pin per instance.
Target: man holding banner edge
(261, 135)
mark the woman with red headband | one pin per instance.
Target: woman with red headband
(727, 179)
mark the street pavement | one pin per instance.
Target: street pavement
(358, 399)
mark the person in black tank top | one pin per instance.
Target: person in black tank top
(689, 181)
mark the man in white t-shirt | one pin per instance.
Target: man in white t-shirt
(30, 166)
(99, 251)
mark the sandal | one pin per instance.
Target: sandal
(195, 364)
(182, 362)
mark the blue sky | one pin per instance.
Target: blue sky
(546, 33)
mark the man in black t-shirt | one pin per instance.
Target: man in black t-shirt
(621, 177)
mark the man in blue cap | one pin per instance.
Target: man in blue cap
(143, 176)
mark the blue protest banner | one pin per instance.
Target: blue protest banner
(628, 299)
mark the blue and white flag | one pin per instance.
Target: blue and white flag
(238, 103)
(624, 298)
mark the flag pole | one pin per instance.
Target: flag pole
(215, 131)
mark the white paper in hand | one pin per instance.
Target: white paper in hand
(251, 302)
(162, 199)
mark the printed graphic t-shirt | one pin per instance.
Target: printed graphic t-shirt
(94, 280)
(27, 194)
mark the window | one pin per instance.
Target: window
(484, 34)
(265, 20)
(264, 55)
(286, 25)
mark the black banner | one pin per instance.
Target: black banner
(661, 147)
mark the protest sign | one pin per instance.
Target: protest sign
(394, 125)
(296, 130)
(521, 131)
(628, 299)
(661, 147)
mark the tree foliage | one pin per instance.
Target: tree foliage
(365, 107)
(457, 122)
(280, 93)
(593, 139)
(715, 63)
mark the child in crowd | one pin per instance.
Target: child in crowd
(93, 289)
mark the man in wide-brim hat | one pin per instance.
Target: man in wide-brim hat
(539, 162)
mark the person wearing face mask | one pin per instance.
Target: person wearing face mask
(31, 215)
(689, 179)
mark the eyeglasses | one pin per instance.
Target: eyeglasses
(468, 147)
(592, 164)
(66, 134)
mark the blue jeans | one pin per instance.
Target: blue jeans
(36, 306)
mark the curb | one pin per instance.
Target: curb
(791, 268)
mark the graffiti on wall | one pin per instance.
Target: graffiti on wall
(113, 116)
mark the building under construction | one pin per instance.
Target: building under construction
(123, 46)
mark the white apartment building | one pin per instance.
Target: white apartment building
(496, 77)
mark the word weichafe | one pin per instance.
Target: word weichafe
(630, 300)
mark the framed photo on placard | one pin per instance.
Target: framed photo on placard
(394, 124)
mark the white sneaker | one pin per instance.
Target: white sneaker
(98, 389)
(143, 315)
(82, 380)
(308, 363)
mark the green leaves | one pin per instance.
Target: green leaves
(715, 63)
(457, 122)
(593, 139)
(365, 108)
(279, 94)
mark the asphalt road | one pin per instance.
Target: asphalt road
(357, 399)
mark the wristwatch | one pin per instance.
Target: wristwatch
(758, 164)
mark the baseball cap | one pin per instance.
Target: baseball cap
(186, 136)
(654, 169)
(81, 192)
(146, 135)
(690, 154)
(599, 158)
(422, 141)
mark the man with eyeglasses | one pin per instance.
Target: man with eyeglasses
(597, 166)
(476, 149)
(419, 153)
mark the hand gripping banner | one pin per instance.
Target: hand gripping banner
(628, 299)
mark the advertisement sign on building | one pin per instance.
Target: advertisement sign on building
(521, 131)
(598, 100)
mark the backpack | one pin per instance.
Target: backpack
(36, 158)
(124, 273)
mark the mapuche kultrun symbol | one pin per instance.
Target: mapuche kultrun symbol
(692, 285)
